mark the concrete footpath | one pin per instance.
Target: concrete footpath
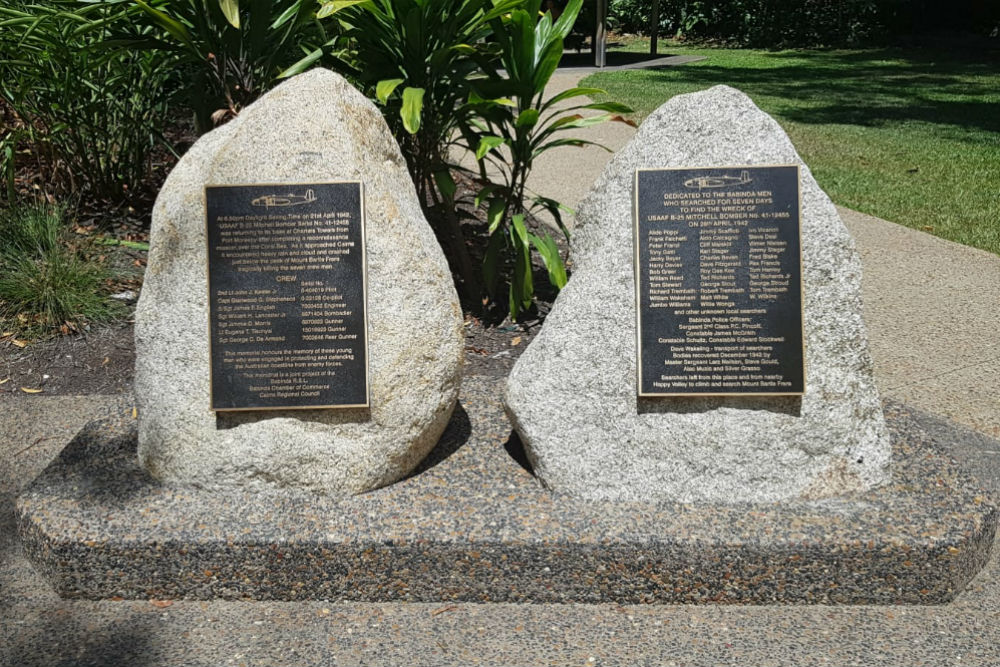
(933, 313)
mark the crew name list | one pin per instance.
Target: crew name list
(718, 270)
(287, 296)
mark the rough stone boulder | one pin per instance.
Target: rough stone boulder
(314, 128)
(572, 396)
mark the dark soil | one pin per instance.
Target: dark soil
(98, 362)
(102, 361)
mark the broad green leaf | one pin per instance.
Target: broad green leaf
(482, 194)
(329, 8)
(445, 183)
(566, 142)
(520, 230)
(527, 118)
(549, 253)
(521, 286)
(486, 144)
(413, 104)
(567, 122)
(302, 65)
(494, 215)
(231, 10)
(614, 107)
(175, 28)
(555, 209)
(548, 61)
(384, 88)
(284, 16)
(574, 92)
(567, 18)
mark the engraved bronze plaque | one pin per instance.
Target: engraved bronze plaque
(287, 296)
(718, 281)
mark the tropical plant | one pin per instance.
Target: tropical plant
(418, 60)
(515, 123)
(233, 51)
(85, 117)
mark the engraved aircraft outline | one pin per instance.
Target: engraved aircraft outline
(702, 182)
(285, 200)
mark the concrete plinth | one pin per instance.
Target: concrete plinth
(473, 525)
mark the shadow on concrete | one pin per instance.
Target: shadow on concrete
(786, 405)
(455, 435)
(515, 449)
(228, 420)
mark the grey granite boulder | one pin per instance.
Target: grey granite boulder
(572, 396)
(313, 128)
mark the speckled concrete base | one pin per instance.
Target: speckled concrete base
(473, 525)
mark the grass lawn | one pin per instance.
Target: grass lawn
(908, 135)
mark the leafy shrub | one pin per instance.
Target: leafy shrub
(44, 283)
(471, 72)
(232, 52)
(86, 116)
(418, 59)
(517, 123)
(768, 23)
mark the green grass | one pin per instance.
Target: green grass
(45, 282)
(908, 135)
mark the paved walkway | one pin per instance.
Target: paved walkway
(933, 314)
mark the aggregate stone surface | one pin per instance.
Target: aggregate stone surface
(575, 383)
(39, 628)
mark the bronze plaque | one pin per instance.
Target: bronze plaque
(287, 296)
(718, 281)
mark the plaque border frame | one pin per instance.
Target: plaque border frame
(636, 280)
(364, 291)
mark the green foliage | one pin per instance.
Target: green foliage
(232, 50)
(86, 117)
(515, 124)
(44, 283)
(768, 23)
(908, 135)
(419, 59)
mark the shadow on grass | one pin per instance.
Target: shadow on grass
(869, 88)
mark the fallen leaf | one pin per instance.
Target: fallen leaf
(5, 334)
(441, 610)
(515, 341)
(6, 380)
(161, 603)
(135, 412)
(106, 361)
(31, 391)
(19, 342)
(927, 228)
(117, 598)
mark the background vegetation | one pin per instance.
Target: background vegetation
(98, 99)
(782, 23)
(908, 135)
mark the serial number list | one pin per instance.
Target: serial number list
(719, 281)
(287, 297)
